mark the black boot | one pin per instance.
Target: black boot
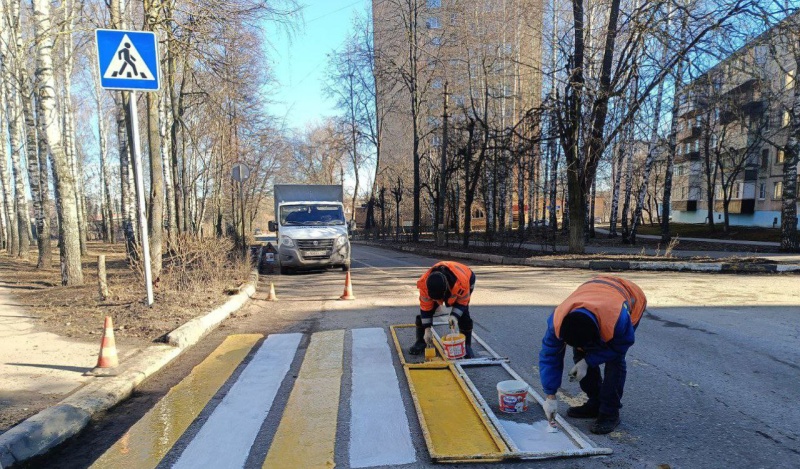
(468, 343)
(605, 424)
(465, 326)
(585, 411)
(419, 346)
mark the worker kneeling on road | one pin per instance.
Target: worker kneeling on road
(449, 284)
(598, 321)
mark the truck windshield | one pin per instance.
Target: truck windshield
(310, 215)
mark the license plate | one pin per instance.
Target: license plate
(315, 253)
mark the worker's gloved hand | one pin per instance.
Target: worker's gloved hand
(578, 372)
(428, 336)
(452, 322)
(550, 407)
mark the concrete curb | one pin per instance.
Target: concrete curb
(53, 425)
(603, 265)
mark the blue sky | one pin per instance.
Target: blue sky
(299, 61)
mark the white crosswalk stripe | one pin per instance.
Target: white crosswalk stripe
(379, 431)
(226, 437)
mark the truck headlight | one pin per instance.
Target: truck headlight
(341, 241)
(287, 241)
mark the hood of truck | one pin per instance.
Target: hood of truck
(313, 232)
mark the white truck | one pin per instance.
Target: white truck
(311, 228)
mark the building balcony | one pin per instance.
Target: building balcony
(738, 206)
(689, 133)
(684, 205)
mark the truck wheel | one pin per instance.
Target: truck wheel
(346, 267)
(285, 270)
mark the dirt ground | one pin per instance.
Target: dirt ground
(78, 312)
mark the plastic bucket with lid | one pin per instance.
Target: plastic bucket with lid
(512, 395)
(454, 346)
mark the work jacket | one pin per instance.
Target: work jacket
(458, 278)
(614, 304)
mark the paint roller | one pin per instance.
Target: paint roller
(552, 426)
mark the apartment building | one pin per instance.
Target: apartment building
(733, 123)
(486, 54)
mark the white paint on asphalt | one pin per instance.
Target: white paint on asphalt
(534, 437)
(226, 437)
(379, 431)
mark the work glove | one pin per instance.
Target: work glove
(452, 321)
(550, 407)
(578, 372)
(428, 336)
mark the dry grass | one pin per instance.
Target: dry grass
(187, 289)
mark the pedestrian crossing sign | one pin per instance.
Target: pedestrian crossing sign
(128, 60)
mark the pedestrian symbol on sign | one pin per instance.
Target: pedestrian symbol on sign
(127, 63)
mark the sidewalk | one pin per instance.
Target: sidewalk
(638, 250)
(37, 368)
(707, 240)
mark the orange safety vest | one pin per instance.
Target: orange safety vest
(459, 293)
(604, 296)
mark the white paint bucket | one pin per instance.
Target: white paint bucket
(454, 346)
(512, 396)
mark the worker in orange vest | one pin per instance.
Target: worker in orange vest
(449, 284)
(598, 321)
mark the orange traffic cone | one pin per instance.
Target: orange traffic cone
(272, 296)
(108, 351)
(348, 289)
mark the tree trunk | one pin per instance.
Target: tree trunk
(672, 145)
(163, 125)
(648, 165)
(617, 170)
(12, 244)
(75, 160)
(21, 201)
(46, 202)
(156, 214)
(71, 273)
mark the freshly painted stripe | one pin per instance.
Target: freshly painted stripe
(148, 440)
(228, 434)
(306, 435)
(377, 415)
(452, 425)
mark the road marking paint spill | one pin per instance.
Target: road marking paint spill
(150, 439)
(228, 434)
(306, 435)
(379, 431)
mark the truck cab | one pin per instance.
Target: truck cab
(312, 232)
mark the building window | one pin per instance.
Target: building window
(437, 83)
(737, 190)
(434, 3)
(697, 145)
(777, 191)
(787, 118)
(762, 191)
(433, 23)
(436, 40)
(781, 157)
(767, 122)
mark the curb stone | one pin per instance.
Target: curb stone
(52, 426)
(604, 265)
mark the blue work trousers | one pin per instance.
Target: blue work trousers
(604, 391)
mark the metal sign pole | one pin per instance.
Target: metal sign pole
(137, 161)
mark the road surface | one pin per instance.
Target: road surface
(712, 379)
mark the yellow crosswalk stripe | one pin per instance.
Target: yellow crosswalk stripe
(306, 435)
(150, 439)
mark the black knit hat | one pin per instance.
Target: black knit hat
(437, 286)
(579, 330)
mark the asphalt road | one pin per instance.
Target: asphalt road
(713, 379)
